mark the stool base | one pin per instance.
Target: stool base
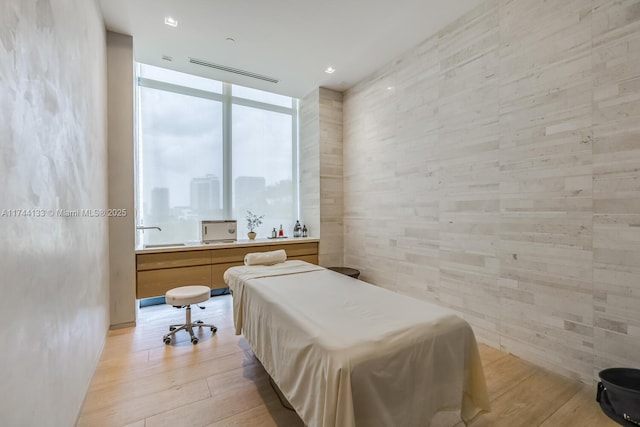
(187, 326)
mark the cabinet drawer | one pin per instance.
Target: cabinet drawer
(313, 259)
(230, 255)
(153, 283)
(173, 259)
(300, 249)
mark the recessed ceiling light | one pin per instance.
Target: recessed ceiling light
(330, 70)
(231, 39)
(167, 58)
(170, 21)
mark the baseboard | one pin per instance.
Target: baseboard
(122, 325)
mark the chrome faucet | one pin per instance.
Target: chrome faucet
(141, 227)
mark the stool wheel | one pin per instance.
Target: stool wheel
(167, 340)
(194, 340)
(214, 329)
(172, 328)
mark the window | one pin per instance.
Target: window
(262, 173)
(209, 150)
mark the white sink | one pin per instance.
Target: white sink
(163, 245)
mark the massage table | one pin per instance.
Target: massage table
(347, 353)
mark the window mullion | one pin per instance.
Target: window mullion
(227, 171)
(182, 90)
(294, 161)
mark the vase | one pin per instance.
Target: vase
(252, 235)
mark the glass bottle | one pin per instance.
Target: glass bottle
(281, 232)
(304, 231)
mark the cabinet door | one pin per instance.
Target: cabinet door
(299, 250)
(153, 283)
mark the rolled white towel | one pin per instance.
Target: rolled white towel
(265, 258)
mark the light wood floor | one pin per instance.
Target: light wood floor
(141, 382)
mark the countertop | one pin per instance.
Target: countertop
(242, 243)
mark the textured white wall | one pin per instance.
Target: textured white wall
(54, 308)
(494, 169)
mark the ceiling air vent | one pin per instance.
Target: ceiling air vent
(232, 70)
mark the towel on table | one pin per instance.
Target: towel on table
(265, 258)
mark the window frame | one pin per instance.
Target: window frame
(228, 100)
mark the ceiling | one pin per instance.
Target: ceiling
(293, 41)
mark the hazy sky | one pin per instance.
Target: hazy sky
(181, 138)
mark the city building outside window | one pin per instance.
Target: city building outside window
(210, 150)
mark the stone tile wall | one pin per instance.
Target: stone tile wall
(321, 198)
(494, 169)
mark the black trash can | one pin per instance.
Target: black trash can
(619, 395)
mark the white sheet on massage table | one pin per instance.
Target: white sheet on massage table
(345, 352)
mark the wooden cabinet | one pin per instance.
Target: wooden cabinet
(157, 272)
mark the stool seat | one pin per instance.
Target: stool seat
(185, 295)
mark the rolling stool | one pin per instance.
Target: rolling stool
(182, 297)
